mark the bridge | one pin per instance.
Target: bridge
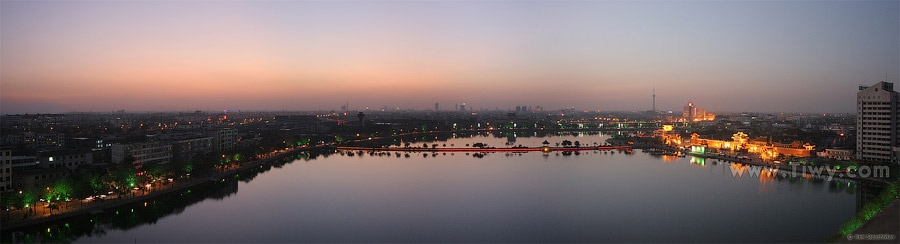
(476, 149)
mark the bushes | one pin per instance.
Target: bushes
(887, 195)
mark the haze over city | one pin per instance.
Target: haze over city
(792, 56)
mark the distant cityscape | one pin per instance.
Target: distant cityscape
(41, 148)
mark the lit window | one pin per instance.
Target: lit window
(51, 159)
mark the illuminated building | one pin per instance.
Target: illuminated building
(689, 110)
(700, 113)
(839, 154)
(462, 107)
(877, 123)
(741, 142)
(667, 127)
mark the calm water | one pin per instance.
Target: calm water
(530, 197)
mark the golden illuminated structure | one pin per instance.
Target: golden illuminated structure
(691, 112)
(740, 141)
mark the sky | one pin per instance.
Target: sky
(760, 56)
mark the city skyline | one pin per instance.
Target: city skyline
(182, 56)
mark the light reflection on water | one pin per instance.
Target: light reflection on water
(591, 196)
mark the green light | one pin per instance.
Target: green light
(698, 149)
(67, 225)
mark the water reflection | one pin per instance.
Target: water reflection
(593, 178)
(134, 215)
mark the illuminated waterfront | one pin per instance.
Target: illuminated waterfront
(590, 196)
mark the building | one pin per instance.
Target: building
(224, 139)
(84, 142)
(5, 170)
(689, 110)
(36, 140)
(839, 154)
(143, 152)
(65, 158)
(741, 143)
(186, 147)
(31, 177)
(876, 123)
(437, 107)
(301, 123)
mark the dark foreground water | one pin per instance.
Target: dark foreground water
(529, 197)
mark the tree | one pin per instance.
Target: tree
(566, 143)
(60, 190)
(577, 143)
(433, 146)
(479, 145)
(11, 200)
(546, 143)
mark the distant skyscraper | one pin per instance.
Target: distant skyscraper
(654, 99)
(689, 110)
(462, 107)
(456, 107)
(877, 109)
(436, 107)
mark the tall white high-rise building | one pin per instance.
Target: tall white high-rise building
(877, 112)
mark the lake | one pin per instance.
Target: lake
(589, 196)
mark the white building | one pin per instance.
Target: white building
(224, 139)
(839, 154)
(877, 123)
(65, 158)
(143, 152)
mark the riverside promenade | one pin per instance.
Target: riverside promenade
(16, 221)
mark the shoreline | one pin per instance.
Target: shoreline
(19, 224)
(13, 225)
(789, 168)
